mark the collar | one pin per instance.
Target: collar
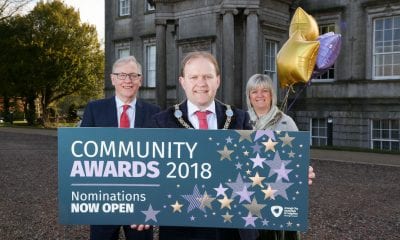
(120, 103)
(192, 109)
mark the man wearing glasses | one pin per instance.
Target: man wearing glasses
(123, 110)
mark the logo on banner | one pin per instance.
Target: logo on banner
(276, 210)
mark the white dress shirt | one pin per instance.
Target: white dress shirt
(211, 117)
(130, 111)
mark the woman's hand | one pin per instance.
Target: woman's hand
(311, 175)
(140, 227)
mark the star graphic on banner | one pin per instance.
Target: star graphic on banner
(248, 172)
(192, 218)
(269, 193)
(193, 200)
(260, 133)
(282, 172)
(256, 148)
(289, 224)
(257, 180)
(176, 207)
(150, 214)
(265, 222)
(258, 161)
(205, 200)
(220, 190)
(281, 187)
(238, 165)
(227, 217)
(245, 195)
(249, 220)
(237, 185)
(244, 135)
(287, 140)
(229, 139)
(291, 154)
(255, 208)
(246, 153)
(225, 202)
(269, 145)
(275, 164)
(225, 153)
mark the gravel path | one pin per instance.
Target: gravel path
(364, 204)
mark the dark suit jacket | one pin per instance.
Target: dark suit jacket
(240, 120)
(103, 113)
(166, 119)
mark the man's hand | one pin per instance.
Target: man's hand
(140, 227)
(311, 175)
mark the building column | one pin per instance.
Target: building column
(228, 55)
(252, 49)
(161, 67)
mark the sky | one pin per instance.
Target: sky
(91, 11)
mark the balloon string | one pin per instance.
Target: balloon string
(285, 99)
(297, 95)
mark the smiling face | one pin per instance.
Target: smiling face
(200, 81)
(260, 99)
(127, 89)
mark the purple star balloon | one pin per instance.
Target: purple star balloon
(329, 50)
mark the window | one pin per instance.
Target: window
(149, 7)
(150, 63)
(124, 7)
(386, 48)
(330, 74)
(385, 134)
(318, 132)
(271, 49)
(122, 49)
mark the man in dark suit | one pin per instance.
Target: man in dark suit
(127, 111)
(200, 79)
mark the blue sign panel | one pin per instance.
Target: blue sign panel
(180, 177)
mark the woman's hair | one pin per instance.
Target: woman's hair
(125, 60)
(199, 54)
(263, 81)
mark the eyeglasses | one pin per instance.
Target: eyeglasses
(132, 76)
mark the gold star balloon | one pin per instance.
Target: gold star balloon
(296, 60)
(304, 23)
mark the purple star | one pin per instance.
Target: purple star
(220, 190)
(249, 220)
(256, 148)
(150, 214)
(282, 172)
(238, 165)
(281, 187)
(275, 164)
(260, 133)
(193, 200)
(238, 185)
(258, 161)
(245, 195)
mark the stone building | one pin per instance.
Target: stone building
(355, 104)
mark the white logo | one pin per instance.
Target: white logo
(276, 210)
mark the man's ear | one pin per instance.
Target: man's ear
(182, 81)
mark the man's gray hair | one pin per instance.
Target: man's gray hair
(125, 60)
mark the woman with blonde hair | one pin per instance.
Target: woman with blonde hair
(265, 115)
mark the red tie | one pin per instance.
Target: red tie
(124, 120)
(202, 116)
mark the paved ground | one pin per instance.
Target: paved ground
(351, 198)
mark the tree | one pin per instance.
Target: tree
(70, 59)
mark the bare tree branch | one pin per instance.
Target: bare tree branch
(10, 7)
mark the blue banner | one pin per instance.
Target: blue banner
(180, 177)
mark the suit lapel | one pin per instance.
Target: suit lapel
(139, 113)
(112, 109)
(220, 109)
(184, 109)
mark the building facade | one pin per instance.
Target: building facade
(355, 104)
